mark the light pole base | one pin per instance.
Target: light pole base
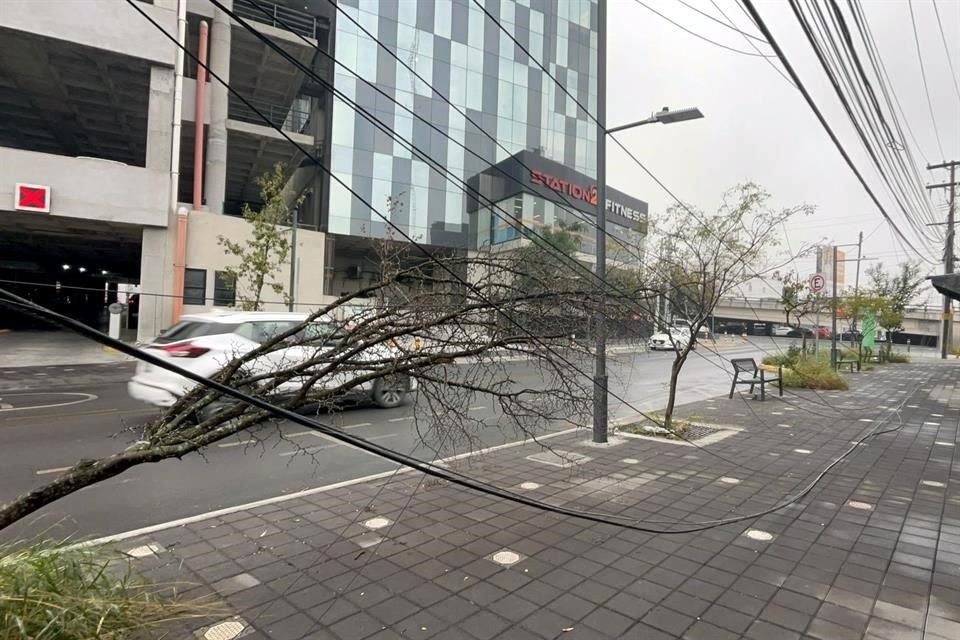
(600, 409)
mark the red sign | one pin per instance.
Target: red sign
(580, 192)
(32, 197)
(817, 282)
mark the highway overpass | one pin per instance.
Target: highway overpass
(921, 324)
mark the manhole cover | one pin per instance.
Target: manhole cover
(225, 630)
(506, 557)
(376, 523)
(757, 534)
(559, 458)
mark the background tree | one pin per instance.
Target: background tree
(798, 302)
(894, 292)
(699, 258)
(262, 256)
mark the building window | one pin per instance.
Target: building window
(224, 289)
(195, 286)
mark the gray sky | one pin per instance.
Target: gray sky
(757, 127)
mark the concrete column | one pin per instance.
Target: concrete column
(156, 277)
(160, 119)
(215, 188)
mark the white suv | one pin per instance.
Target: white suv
(204, 343)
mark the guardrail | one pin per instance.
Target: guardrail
(283, 17)
(285, 117)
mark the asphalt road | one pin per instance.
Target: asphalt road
(56, 422)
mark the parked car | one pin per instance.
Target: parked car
(203, 343)
(850, 335)
(735, 328)
(781, 331)
(823, 331)
(759, 329)
(801, 332)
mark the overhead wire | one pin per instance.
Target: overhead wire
(826, 126)
(878, 152)
(514, 220)
(729, 24)
(747, 38)
(427, 468)
(946, 49)
(923, 77)
(697, 35)
(427, 254)
(886, 84)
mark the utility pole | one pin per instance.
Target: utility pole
(600, 367)
(833, 315)
(948, 250)
(856, 280)
(294, 220)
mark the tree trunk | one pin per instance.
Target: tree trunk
(672, 393)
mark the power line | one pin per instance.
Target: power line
(729, 24)
(697, 35)
(880, 69)
(901, 192)
(428, 468)
(946, 49)
(823, 122)
(768, 59)
(406, 236)
(923, 76)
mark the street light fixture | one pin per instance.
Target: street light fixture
(664, 116)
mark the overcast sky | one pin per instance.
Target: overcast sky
(758, 127)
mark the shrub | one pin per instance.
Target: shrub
(814, 373)
(50, 592)
(787, 359)
(898, 357)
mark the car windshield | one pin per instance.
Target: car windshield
(186, 329)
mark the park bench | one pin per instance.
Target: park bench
(849, 362)
(753, 376)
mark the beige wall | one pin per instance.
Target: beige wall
(204, 252)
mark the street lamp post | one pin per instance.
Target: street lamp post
(665, 116)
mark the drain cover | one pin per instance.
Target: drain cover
(559, 458)
(225, 630)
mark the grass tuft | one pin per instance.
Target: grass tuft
(57, 592)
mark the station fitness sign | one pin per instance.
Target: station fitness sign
(586, 193)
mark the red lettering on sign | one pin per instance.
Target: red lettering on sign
(580, 192)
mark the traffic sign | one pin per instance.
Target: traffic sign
(817, 282)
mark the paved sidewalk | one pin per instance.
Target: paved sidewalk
(52, 348)
(872, 552)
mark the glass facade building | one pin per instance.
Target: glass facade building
(502, 104)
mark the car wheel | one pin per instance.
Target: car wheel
(390, 391)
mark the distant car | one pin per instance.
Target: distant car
(735, 328)
(759, 329)
(800, 332)
(823, 331)
(671, 340)
(781, 331)
(203, 343)
(850, 336)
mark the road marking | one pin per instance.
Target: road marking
(85, 397)
(404, 419)
(309, 450)
(356, 426)
(303, 433)
(477, 408)
(200, 517)
(43, 472)
(235, 444)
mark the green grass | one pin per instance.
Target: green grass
(814, 372)
(897, 357)
(54, 592)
